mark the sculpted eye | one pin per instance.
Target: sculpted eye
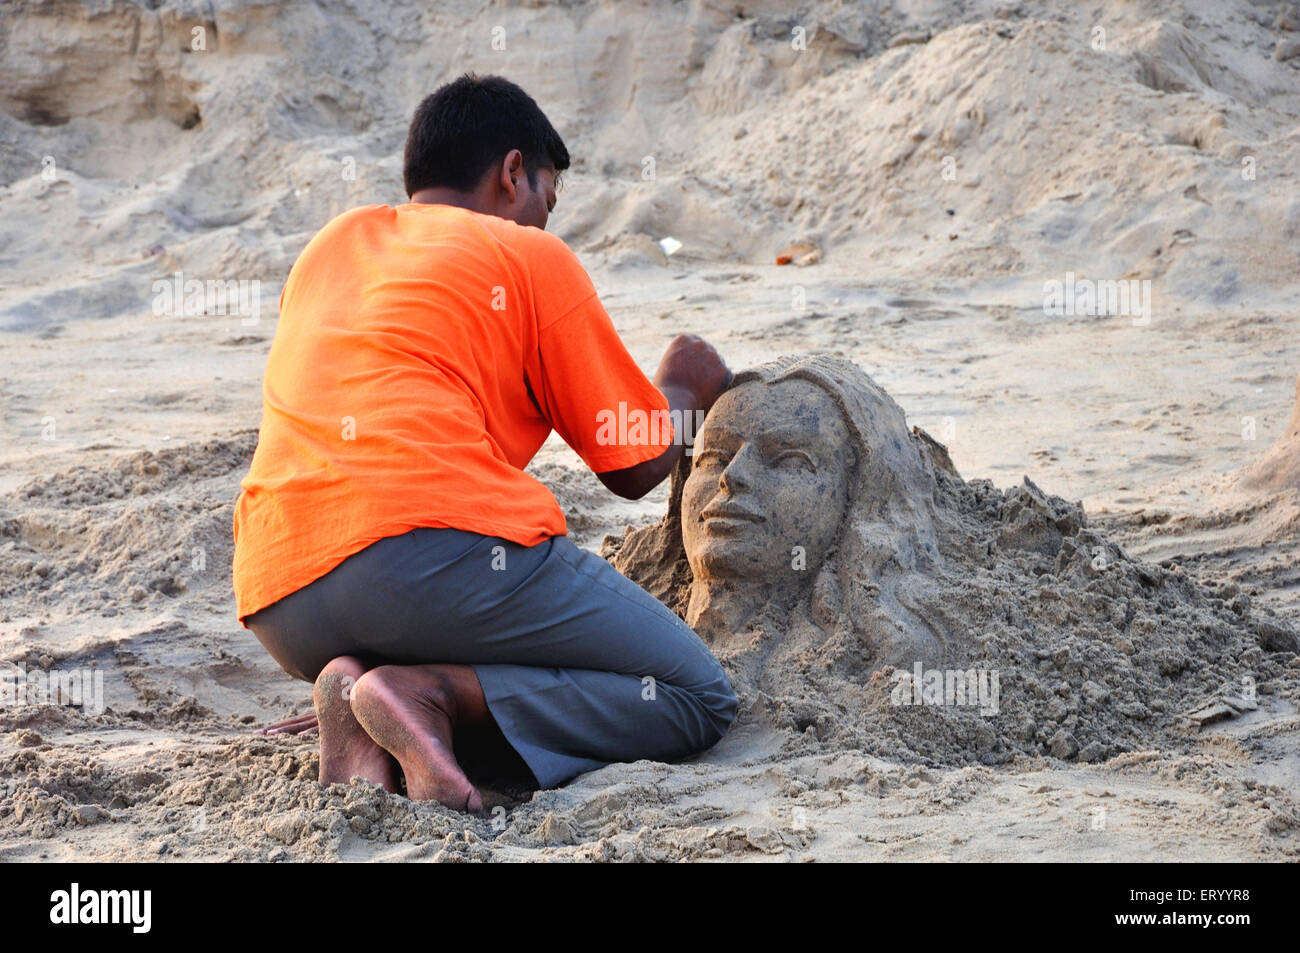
(711, 458)
(794, 460)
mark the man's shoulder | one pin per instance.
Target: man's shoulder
(343, 225)
(533, 251)
(360, 213)
(528, 240)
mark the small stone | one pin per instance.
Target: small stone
(1276, 638)
(1092, 751)
(1286, 49)
(89, 814)
(1063, 745)
(1216, 711)
(909, 38)
(288, 826)
(1095, 692)
(167, 584)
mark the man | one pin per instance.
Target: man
(389, 546)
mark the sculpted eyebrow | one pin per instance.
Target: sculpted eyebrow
(800, 439)
(717, 434)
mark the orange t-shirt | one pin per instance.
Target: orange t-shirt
(422, 356)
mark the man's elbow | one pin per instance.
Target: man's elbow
(627, 483)
(632, 483)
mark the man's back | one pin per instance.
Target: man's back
(423, 355)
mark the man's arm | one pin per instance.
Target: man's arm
(691, 376)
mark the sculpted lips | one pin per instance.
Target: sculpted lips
(730, 511)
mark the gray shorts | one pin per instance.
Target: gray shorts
(579, 665)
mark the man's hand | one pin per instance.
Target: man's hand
(692, 375)
(298, 725)
(692, 363)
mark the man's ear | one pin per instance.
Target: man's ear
(511, 169)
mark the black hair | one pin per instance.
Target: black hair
(468, 125)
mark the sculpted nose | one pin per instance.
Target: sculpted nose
(738, 476)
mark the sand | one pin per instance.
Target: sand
(127, 431)
(1074, 650)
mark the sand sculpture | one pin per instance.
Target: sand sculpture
(808, 488)
(833, 558)
(805, 495)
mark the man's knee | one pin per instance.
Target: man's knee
(720, 705)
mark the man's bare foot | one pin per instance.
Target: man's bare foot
(411, 710)
(346, 751)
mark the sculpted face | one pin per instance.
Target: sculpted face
(771, 471)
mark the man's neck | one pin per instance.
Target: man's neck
(474, 201)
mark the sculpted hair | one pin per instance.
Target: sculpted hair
(888, 532)
(464, 128)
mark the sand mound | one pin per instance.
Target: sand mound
(141, 544)
(1095, 653)
(1278, 471)
(146, 527)
(992, 142)
(1246, 535)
